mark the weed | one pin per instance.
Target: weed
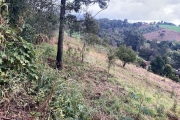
(159, 107)
(172, 92)
(111, 60)
(126, 118)
(68, 102)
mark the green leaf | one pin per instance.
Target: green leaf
(36, 77)
(12, 60)
(22, 58)
(17, 57)
(148, 99)
(3, 55)
(8, 31)
(1, 61)
(15, 54)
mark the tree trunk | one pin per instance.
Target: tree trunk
(70, 33)
(59, 61)
(82, 52)
(124, 64)
(109, 66)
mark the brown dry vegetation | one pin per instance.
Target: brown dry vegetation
(169, 35)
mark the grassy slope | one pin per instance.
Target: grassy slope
(112, 99)
(174, 28)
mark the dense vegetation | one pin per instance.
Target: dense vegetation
(114, 31)
(85, 89)
(30, 89)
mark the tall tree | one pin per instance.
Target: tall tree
(157, 65)
(75, 5)
(175, 56)
(61, 35)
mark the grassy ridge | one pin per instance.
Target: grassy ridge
(174, 28)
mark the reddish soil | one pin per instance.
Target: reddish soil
(169, 35)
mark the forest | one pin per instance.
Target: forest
(56, 66)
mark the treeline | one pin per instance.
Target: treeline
(165, 23)
(114, 30)
(163, 55)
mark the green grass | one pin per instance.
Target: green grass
(169, 27)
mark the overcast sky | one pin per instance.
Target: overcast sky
(146, 10)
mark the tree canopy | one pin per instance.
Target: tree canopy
(157, 65)
(126, 54)
(133, 38)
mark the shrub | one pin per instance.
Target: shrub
(127, 55)
(68, 102)
(16, 54)
(157, 65)
(111, 60)
(140, 62)
(174, 78)
(167, 70)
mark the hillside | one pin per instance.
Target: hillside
(81, 70)
(170, 27)
(169, 35)
(113, 98)
(82, 91)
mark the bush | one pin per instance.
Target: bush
(167, 70)
(140, 62)
(68, 102)
(174, 78)
(157, 65)
(127, 55)
(16, 54)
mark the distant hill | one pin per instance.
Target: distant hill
(170, 27)
(169, 35)
(161, 31)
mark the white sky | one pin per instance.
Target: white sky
(144, 10)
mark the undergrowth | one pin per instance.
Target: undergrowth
(32, 89)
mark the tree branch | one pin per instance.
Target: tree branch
(96, 13)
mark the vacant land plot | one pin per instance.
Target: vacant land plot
(170, 27)
(169, 35)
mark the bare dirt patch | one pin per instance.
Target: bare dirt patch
(169, 35)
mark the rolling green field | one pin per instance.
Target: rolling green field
(174, 28)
